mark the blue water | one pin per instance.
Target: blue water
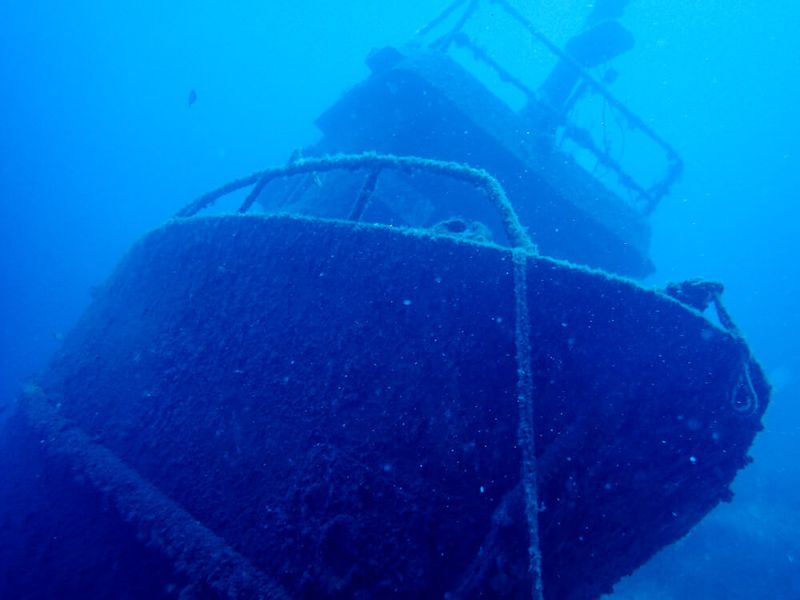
(98, 144)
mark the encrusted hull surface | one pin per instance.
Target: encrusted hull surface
(287, 407)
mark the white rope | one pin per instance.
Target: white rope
(526, 433)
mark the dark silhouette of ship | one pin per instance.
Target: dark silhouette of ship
(409, 366)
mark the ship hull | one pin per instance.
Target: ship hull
(290, 407)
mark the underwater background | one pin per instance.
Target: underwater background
(99, 144)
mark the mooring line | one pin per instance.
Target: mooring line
(526, 433)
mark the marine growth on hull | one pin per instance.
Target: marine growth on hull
(407, 366)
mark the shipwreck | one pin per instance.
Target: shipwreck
(414, 362)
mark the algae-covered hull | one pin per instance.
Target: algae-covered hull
(288, 407)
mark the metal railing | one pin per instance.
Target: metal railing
(646, 197)
(373, 163)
